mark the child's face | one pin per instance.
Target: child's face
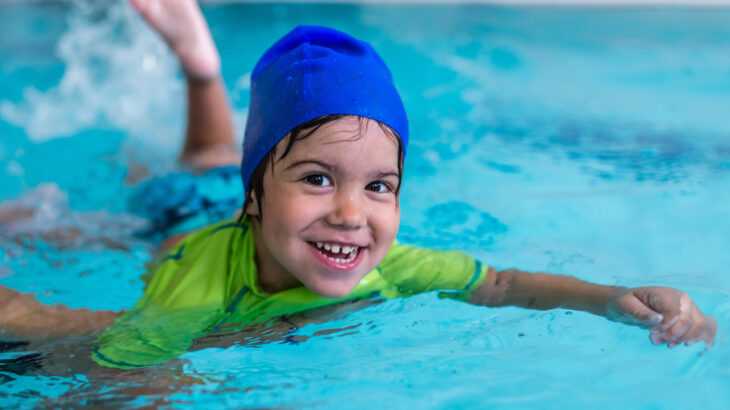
(335, 189)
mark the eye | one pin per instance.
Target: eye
(380, 187)
(318, 180)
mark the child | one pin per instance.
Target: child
(323, 155)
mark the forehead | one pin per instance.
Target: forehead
(350, 140)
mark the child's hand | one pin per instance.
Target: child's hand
(670, 313)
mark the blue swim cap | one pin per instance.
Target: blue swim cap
(310, 73)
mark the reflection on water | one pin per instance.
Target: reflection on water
(65, 364)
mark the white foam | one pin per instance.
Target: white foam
(118, 74)
(45, 210)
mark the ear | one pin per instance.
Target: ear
(253, 208)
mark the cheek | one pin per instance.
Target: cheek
(291, 212)
(386, 220)
(392, 222)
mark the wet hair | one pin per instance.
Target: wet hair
(300, 133)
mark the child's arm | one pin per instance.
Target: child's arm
(670, 313)
(22, 316)
(209, 139)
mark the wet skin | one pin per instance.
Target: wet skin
(336, 188)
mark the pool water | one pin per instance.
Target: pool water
(586, 141)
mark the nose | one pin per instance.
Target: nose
(348, 212)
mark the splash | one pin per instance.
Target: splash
(118, 74)
(44, 214)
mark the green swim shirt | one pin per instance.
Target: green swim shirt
(209, 280)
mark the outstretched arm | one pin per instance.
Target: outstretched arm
(22, 316)
(671, 314)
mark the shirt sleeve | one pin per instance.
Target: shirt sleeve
(151, 335)
(414, 270)
(182, 301)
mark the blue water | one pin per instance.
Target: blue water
(591, 142)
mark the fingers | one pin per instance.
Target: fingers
(664, 300)
(647, 317)
(710, 331)
(704, 331)
(676, 334)
(697, 333)
(672, 326)
(683, 322)
(630, 309)
(689, 327)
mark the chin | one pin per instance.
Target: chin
(332, 289)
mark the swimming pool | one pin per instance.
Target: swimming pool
(592, 142)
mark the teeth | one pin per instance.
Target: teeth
(342, 261)
(350, 252)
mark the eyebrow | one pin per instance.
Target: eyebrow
(310, 161)
(387, 174)
(332, 168)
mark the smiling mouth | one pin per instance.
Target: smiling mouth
(337, 253)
